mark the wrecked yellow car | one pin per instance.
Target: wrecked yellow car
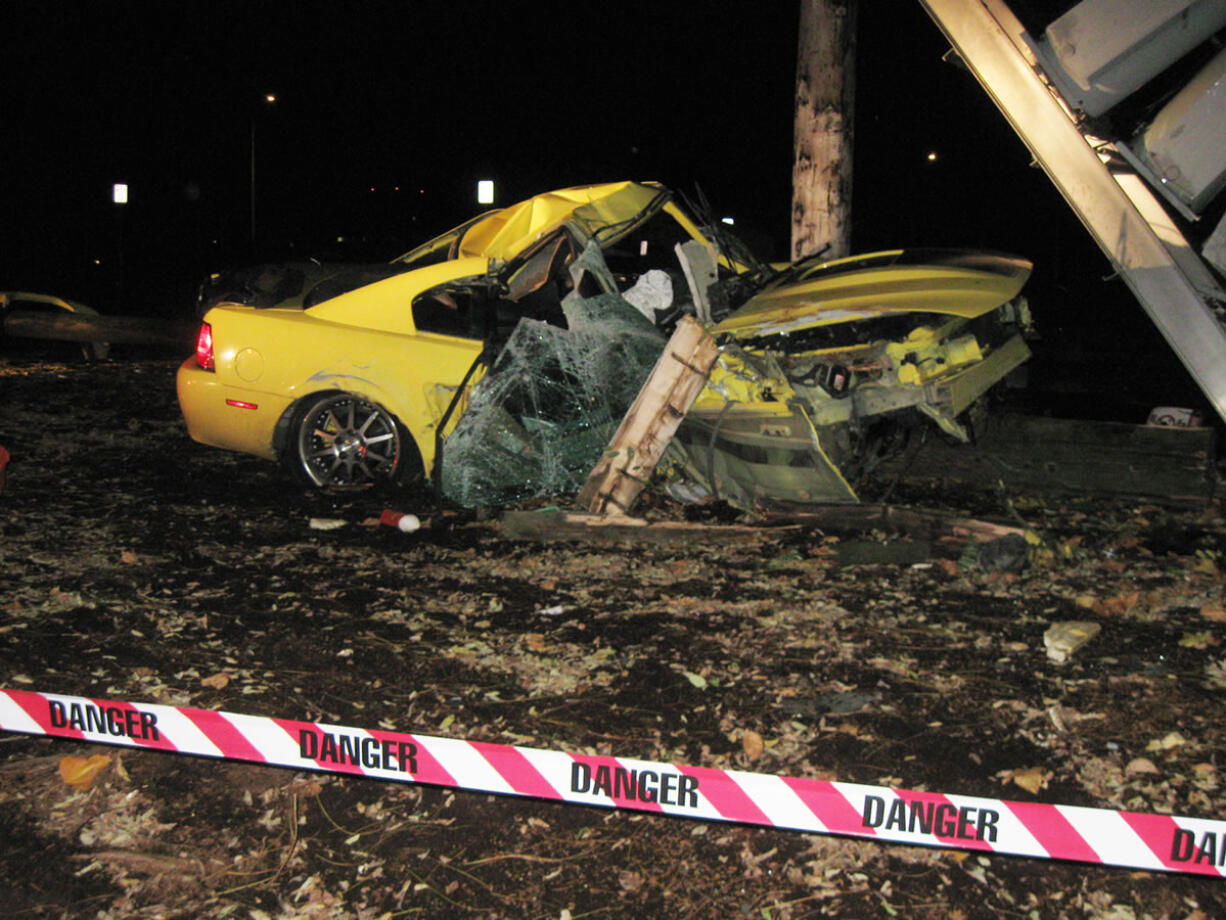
(499, 356)
(833, 368)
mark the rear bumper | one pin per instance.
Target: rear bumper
(225, 416)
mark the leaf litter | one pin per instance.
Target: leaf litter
(142, 566)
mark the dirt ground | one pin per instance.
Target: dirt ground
(138, 565)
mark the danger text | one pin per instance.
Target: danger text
(358, 751)
(105, 720)
(635, 785)
(1209, 849)
(941, 818)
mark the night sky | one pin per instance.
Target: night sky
(417, 100)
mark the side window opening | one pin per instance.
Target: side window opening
(538, 286)
(454, 309)
(479, 310)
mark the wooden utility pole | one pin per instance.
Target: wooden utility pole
(825, 91)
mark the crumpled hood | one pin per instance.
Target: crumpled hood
(807, 295)
(505, 233)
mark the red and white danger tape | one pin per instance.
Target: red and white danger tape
(1092, 835)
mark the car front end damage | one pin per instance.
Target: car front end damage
(806, 402)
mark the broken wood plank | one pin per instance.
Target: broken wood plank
(649, 426)
(927, 534)
(117, 330)
(1047, 456)
(917, 523)
(548, 526)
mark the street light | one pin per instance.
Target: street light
(485, 191)
(119, 198)
(270, 99)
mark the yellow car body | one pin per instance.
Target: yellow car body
(355, 382)
(367, 342)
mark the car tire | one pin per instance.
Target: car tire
(345, 441)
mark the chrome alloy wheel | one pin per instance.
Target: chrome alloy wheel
(345, 441)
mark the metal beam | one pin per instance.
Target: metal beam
(1151, 255)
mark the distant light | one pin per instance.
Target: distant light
(396, 188)
(119, 193)
(340, 239)
(421, 191)
(932, 156)
(485, 191)
(270, 98)
(97, 261)
(372, 188)
(727, 220)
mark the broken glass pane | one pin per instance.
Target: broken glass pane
(538, 421)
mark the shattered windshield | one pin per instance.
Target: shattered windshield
(538, 421)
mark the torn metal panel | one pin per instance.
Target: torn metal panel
(750, 460)
(700, 267)
(951, 283)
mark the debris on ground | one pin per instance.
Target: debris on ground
(142, 566)
(1062, 640)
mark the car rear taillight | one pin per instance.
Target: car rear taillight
(204, 347)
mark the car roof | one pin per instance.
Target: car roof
(504, 233)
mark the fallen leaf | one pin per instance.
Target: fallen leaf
(630, 881)
(950, 567)
(1121, 603)
(82, 772)
(1214, 613)
(1086, 601)
(1206, 566)
(1167, 742)
(1197, 640)
(696, 679)
(536, 642)
(1031, 779)
(1140, 765)
(752, 744)
(218, 681)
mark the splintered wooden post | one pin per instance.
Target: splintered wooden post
(649, 426)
